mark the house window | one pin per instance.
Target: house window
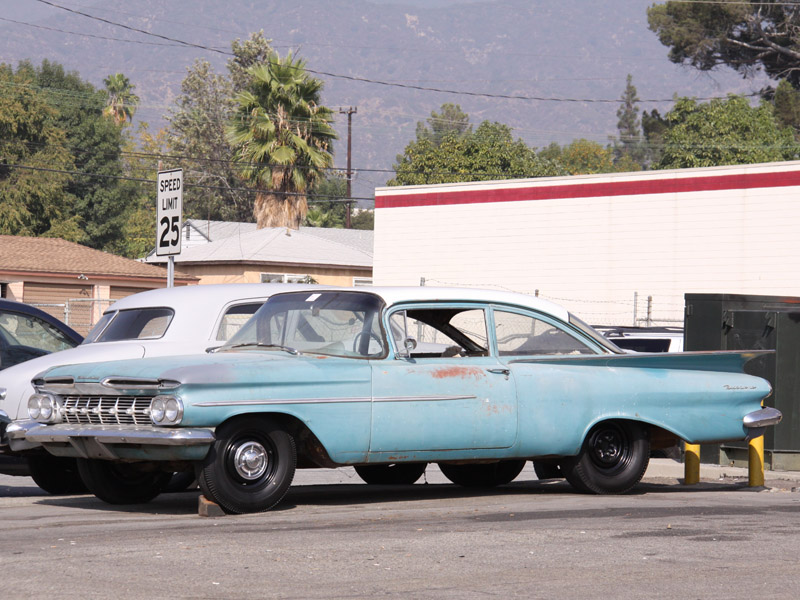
(3, 290)
(286, 278)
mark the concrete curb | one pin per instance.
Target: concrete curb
(665, 467)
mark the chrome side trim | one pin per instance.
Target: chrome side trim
(274, 401)
(279, 401)
(422, 398)
(762, 418)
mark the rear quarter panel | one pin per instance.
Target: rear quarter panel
(559, 403)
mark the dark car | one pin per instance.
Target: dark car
(27, 332)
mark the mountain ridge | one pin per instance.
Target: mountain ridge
(578, 52)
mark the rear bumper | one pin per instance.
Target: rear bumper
(762, 418)
(756, 422)
(112, 442)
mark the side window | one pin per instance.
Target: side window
(441, 332)
(234, 318)
(522, 335)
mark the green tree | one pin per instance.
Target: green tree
(490, 152)
(629, 144)
(746, 36)
(121, 102)
(724, 132)
(282, 139)
(255, 50)
(363, 219)
(581, 157)
(197, 133)
(654, 126)
(34, 163)
(328, 208)
(197, 127)
(95, 143)
(140, 160)
(450, 121)
(786, 101)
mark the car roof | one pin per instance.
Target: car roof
(197, 307)
(27, 309)
(392, 295)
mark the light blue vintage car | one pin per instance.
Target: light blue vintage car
(388, 380)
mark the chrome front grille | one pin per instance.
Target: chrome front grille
(107, 410)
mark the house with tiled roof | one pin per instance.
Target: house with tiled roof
(219, 252)
(70, 281)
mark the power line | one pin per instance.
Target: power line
(89, 35)
(368, 80)
(310, 196)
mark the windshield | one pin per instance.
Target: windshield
(133, 324)
(331, 323)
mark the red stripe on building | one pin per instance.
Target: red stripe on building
(665, 185)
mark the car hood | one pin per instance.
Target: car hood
(209, 369)
(16, 380)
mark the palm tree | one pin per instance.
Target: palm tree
(122, 102)
(282, 139)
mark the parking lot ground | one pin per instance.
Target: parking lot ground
(334, 537)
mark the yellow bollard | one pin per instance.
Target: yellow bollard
(755, 462)
(691, 464)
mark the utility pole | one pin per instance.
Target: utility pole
(349, 112)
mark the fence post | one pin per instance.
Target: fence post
(635, 306)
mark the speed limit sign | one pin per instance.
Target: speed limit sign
(169, 212)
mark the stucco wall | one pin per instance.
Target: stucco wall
(594, 243)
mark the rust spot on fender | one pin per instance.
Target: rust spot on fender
(460, 372)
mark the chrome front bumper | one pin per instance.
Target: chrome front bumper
(131, 442)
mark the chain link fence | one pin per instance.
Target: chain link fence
(79, 313)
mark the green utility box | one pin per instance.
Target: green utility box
(744, 322)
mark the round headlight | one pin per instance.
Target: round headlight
(34, 408)
(172, 410)
(44, 408)
(166, 410)
(157, 409)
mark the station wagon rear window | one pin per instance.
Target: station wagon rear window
(133, 324)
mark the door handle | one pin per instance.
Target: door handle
(500, 371)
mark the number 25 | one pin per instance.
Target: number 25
(163, 242)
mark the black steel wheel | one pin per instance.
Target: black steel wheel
(250, 466)
(56, 475)
(483, 474)
(391, 474)
(548, 469)
(612, 460)
(122, 483)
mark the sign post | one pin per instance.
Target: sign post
(169, 218)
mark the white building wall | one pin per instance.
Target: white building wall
(594, 255)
